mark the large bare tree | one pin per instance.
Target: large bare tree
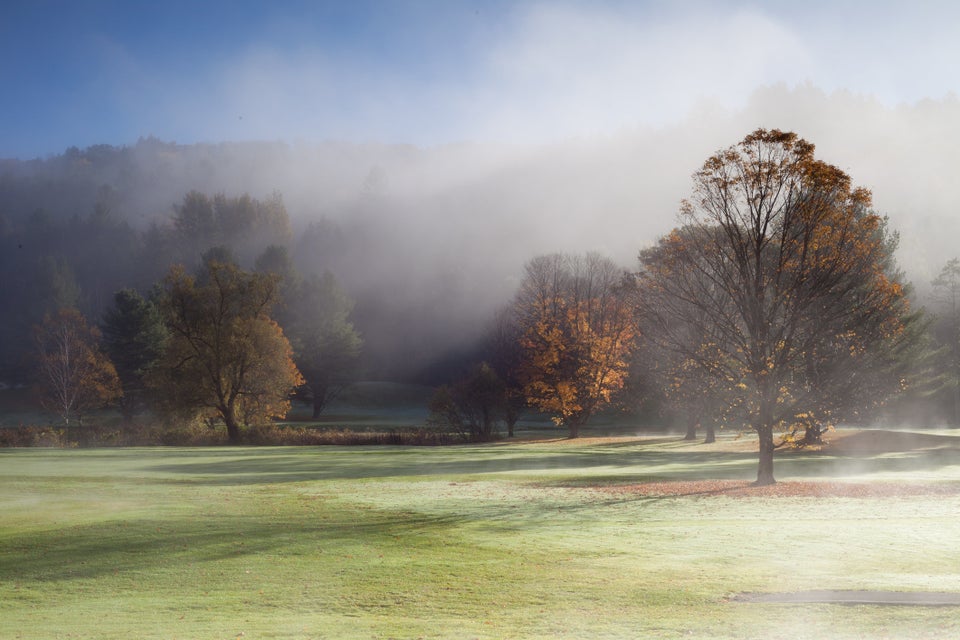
(784, 271)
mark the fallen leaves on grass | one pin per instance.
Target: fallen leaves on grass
(789, 489)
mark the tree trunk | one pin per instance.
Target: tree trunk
(512, 415)
(319, 392)
(956, 399)
(317, 406)
(765, 467)
(691, 430)
(763, 424)
(711, 434)
(573, 429)
(233, 427)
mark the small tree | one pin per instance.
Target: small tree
(226, 358)
(472, 406)
(73, 374)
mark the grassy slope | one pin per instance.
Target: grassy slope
(488, 542)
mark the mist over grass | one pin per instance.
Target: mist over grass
(486, 541)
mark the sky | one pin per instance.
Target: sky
(433, 72)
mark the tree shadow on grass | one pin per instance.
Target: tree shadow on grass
(264, 466)
(256, 466)
(602, 463)
(93, 551)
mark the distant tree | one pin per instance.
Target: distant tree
(103, 251)
(321, 246)
(247, 224)
(315, 314)
(784, 262)
(946, 293)
(226, 359)
(275, 260)
(576, 332)
(134, 337)
(219, 253)
(73, 375)
(697, 389)
(31, 288)
(473, 406)
(195, 223)
(505, 357)
(55, 285)
(900, 370)
(327, 345)
(685, 348)
(243, 224)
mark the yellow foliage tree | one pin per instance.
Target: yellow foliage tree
(226, 358)
(575, 332)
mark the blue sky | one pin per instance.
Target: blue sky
(83, 72)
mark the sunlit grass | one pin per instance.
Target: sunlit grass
(502, 541)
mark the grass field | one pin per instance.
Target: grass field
(547, 539)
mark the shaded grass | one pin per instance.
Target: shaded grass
(472, 541)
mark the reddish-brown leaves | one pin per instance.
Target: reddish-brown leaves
(790, 489)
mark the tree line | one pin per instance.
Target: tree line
(202, 343)
(776, 305)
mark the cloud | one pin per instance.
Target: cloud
(552, 72)
(530, 72)
(579, 70)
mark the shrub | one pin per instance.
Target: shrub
(32, 436)
(198, 434)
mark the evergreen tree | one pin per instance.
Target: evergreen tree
(134, 337)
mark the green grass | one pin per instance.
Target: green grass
(500, 541)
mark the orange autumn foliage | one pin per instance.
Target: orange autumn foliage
(576, 334)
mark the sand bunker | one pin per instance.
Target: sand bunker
(883, 598)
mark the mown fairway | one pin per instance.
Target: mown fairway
(504, 541)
